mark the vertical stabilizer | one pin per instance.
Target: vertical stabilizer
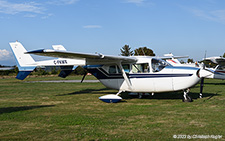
(24, 61)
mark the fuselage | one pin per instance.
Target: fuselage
(146, 75)
(218, 72)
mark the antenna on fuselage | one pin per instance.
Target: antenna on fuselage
(205, 54)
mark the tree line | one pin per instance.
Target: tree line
(141, 51)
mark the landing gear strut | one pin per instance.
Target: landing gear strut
(186, 97)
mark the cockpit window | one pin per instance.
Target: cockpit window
(158, 65)
(140, 68)
(126, 68)
(221, 68)
(112, 69)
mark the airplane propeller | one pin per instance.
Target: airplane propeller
(201, 87)
(202, 74)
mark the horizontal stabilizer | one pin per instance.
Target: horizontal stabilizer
(23, 74)
(58, 47)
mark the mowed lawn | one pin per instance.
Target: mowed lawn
(72, 111)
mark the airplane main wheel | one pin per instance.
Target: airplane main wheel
(188, 99)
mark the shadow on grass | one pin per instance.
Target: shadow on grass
(22, 108)
(90, 91)
(221, 83)
(125, 95)
(171, 95)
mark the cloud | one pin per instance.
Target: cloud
(47, 16)
(14, 8)
(4, 55)
(62, 2)
(140, 3)
(135, 1)
(92, 26)
(30, 15)
(32, 9)
(213, 15)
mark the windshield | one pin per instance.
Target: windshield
(158, 65)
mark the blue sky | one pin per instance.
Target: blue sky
(183, 27)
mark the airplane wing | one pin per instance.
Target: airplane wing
(221, 61)
(90, 58)
(217, 60)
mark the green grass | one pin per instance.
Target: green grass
(72, 111)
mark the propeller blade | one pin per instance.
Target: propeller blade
(201, 87)
(83, 78)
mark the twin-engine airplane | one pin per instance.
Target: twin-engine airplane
(143, 74)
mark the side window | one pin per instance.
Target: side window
(126, 68)
(158, 65)
(112, 69)
(140, 68)
(221, 68)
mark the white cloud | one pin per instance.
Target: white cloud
(144, 3)
(219, 15)
(69, 1)
(62, 2)
(215, 15)
(47, 16)
(30, 15)
(135, 1)
(14, 8)
(32, 9)
(92, 26)
(4, 55)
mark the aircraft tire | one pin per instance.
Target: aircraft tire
(189, 99)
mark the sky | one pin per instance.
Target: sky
(181, 27)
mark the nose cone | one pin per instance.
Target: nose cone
(204, 73)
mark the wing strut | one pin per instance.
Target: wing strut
(124, 75)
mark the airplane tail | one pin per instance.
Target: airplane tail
(25, 62)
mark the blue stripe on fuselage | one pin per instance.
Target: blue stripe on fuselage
(100, 73)
(158, 75)
(181, 67)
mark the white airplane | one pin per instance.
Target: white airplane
(130, 74)
(219, 70)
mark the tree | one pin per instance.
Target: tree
(144, 51)
(182, 61)
(224, 55)
(190, 61)
(126, 51)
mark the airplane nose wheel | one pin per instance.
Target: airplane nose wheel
(186, 97)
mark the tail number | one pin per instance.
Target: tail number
(60, 62)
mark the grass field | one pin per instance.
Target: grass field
(72, 111)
